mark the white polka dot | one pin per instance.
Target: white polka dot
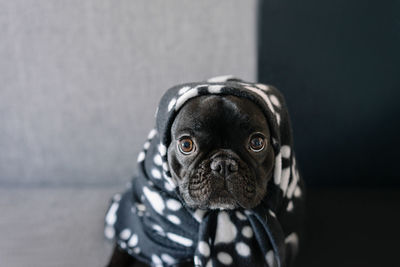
(247, 231)
(165, 166)
(146, 145)
(162, 149)
(297, 192)
(278, 169)
(180, 239)
(219, 79)
(263, 96)
(224, 258)
(278, 118)
(240, 216)
(156, 173)
(171, 103)
(262, 86)
(199, 214)
(272, 213)
(173, 204)
(226, 231)
(183, 90)
(156, 260)
(275, 101)
(269, 258)
(168, 186)
(155, 200)
(244, 83)
(209, 263)
(215, 89)
(136, 250)
(285, 179)
(242, 249)
(158, 229)
(293, 240)
(157, 160)
(290, 206)
(111, 216)
(133, 240)
(109, 232)
(174, 219)
(122, 245)
(196, 261)
(141, 156)
(152, 133)
(125, 234)
(186, 96)
(204, 248)
(167, 259)
(293, 183)
(141, 207)
(285, 151)
(274, 141)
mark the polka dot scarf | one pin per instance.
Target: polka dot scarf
(150, 221)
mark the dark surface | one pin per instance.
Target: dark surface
(351, 227)
(338, 64)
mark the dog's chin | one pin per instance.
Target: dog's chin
(221, 201)
(208, 191)
(224, 200)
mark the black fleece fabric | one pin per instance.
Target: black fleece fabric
(151, 222)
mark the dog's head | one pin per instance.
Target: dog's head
(220, 153)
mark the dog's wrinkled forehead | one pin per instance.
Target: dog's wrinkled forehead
(219, 116)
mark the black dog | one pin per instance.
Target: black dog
(220, 155)
(218, 151)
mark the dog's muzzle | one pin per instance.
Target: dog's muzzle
(224, 163)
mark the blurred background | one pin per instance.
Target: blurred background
(80, 82)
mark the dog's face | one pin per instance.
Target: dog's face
(220, 154)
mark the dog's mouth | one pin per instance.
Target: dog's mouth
(206, 189)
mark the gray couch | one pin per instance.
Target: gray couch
(79, 83)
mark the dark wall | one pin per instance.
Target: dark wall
(338, 64)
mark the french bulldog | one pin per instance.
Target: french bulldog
(220, 156)
(217, 183)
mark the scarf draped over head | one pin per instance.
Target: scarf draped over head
(150, 221)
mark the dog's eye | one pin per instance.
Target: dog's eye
(257, 143)
(186, 145)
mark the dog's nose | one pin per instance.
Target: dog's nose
(224, 166)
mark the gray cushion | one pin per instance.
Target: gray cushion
(54, 227)
(80, 80)
(79, 84)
